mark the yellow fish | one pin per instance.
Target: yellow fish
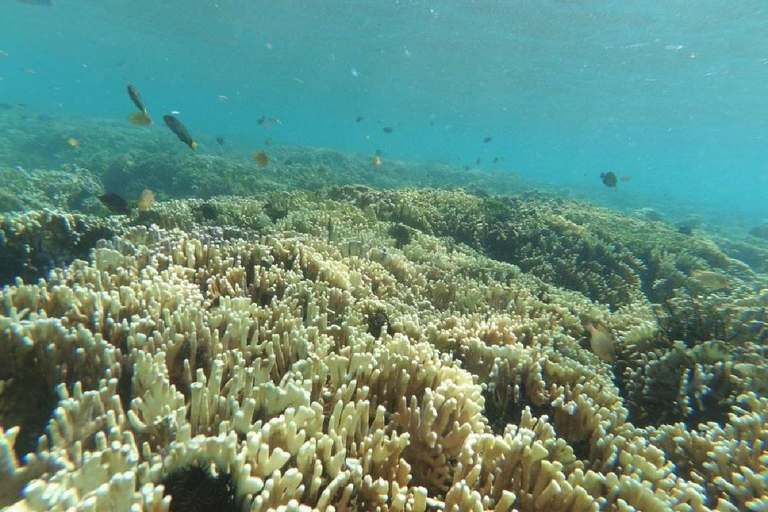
(140, 118)
(709, 280)
(146, 200)
(261, 158)
(602, 343)
(73, 142)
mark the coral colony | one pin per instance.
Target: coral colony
(356, 350)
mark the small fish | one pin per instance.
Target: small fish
(495, 160)
(220, 141)
(141, 117)
(359, 119)
(3, 54)
(378, 152)
(759, 232)
(709, 280)
(36, 2)
(180, 130)
(269, 141)
(115, 203)
(261, 158)
(626, 177)
(207, 210)
(388, 129)
(29, 71)
(376, 160)
(215, 303)
(602, 343)
(73, 142)
(133, 93)
(267, 122)
(478, 161)
(223, 97)
(146, 200)
(488, 139)
(609, 179)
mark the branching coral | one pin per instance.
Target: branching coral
(260, 367)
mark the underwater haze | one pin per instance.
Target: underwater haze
(669, 92)
(383, 256)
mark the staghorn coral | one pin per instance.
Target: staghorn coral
(256, 350)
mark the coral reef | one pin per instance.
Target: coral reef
(606, 256)
(354, 350)
(34, 242)
(70, 188)
(128, 159)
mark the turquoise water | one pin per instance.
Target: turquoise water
(670, 92)
(371, 349)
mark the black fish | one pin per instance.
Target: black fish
(180, 130)
(609, 179)
(387, 129)
(359, 119)
(220, 141)
(140, 118)
(378, 152)
(133, 93)
(37, 2)
(488, 139)
(115, 203)
(759, 232)
(207, 210)
(478, 161)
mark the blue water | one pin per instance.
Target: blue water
(672, 92)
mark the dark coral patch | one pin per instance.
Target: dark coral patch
(196, 489)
